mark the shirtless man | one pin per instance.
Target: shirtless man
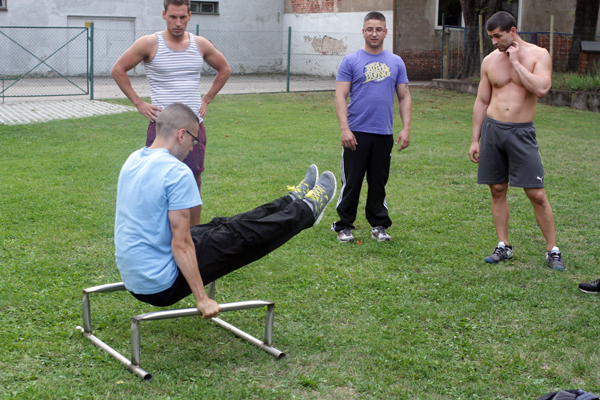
(173, 60)
(513, 78)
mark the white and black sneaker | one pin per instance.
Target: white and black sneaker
(555, 260)
(345, 236)
(380, 234)
(501, 253)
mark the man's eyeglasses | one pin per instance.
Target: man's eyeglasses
(378, 30)
(195, 141)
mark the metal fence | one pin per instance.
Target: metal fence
(456, 44)
(74, 61)
(29, 54)
(261, 61)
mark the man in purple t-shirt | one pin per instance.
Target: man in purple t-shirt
(371, 76)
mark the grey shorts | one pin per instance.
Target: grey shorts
(509, 153)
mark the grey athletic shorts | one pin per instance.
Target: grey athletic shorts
(509, 153)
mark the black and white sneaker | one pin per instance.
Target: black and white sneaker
(501, 253)
(379, 233)
(345, 236)
(555, 260)
(593, 287)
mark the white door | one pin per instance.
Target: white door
(112, 36)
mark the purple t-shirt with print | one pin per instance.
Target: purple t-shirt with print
(373, 80)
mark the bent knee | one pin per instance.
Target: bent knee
(537, 196)
(498, 190)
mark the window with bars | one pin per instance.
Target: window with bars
(205, 7)
(452, 11)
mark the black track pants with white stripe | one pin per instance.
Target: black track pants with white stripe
(371, 158)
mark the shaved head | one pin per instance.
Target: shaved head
(176, 3)
(175, 117)
(375, 15)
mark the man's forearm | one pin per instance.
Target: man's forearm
(341, 110)
(535, 84)
(405, 109)
(124, 83)
(218, 83)
(185, 258)
(479, 114)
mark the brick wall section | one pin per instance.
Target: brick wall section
(314, 6)
(422, 66)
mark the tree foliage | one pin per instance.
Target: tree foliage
(584, 28)
(471, 10)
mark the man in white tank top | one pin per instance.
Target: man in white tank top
(173, 60)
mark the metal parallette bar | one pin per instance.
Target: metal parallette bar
(269, 320)
(133, 365)
(130, 366)
(87, 315)
(210, 290)
(249, 338)
(191, 311)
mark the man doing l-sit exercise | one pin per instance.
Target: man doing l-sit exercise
(160, 256)
(513, 78)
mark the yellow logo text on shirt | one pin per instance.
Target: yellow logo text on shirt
(376, 72)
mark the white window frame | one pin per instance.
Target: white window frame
(520, 12)
(199, 4)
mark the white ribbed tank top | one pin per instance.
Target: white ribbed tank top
(174, 76)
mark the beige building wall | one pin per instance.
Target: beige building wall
(341, 5)
(536, 15)
(418, 16)
(366, 5)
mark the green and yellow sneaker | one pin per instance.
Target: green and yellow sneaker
(322, 194)
(300, 191)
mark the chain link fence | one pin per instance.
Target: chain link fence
(54, 61)
(261, 61)
(44, 61)
(459, 41)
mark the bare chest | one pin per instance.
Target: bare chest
(502, 72)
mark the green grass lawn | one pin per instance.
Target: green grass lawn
(421, 317)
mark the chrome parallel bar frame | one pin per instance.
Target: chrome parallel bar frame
(133, 365)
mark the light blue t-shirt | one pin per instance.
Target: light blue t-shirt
(373, 80)
(152, 182)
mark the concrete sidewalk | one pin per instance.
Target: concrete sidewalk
(43, 111)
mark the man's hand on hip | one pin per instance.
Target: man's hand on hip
(148, 110)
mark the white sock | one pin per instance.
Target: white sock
(554, 250)
(501, 244)
(310, 204)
